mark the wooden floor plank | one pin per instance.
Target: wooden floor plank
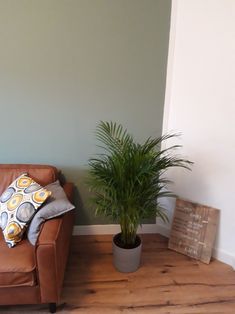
(166, 283)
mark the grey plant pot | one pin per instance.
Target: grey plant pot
(126, 260)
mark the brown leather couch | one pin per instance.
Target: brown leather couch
(34, 274)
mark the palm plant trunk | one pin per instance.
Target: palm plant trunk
(128, 231)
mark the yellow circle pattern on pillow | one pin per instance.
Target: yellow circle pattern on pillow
(13, 231)
(24, 182)
(14, 201)
(40, 196)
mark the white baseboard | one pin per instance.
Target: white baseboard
(219, 254)
(110, 229)
(224, 257)
(163, 230)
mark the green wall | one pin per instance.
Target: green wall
(65, 65)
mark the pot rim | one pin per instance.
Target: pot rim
(127, 249)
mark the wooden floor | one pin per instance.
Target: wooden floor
(166, 283)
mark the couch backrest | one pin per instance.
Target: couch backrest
(42, 174)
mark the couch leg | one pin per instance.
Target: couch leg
(52, 307)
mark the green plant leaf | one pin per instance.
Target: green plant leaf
(127, 178)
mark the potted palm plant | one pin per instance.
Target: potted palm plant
(127, 181)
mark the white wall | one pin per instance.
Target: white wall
(200, 103)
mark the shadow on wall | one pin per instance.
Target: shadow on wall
(85, 213)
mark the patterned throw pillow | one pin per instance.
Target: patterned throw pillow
(18, 204)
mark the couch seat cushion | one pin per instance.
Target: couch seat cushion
(17, 266)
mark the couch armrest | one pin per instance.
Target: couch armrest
(52, 252)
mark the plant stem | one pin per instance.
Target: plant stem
(128, 231)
